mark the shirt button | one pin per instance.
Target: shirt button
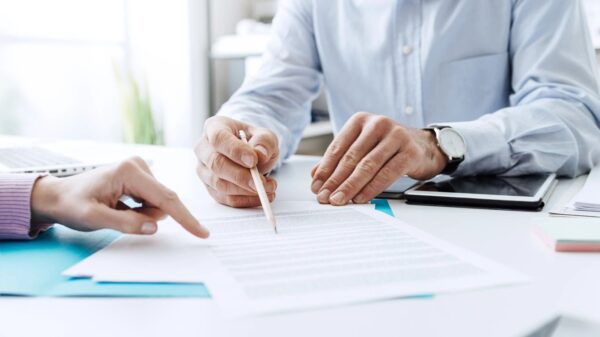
(409, 110)
(406, 50)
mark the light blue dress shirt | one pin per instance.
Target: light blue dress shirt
(517, 78)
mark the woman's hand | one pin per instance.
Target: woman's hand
(90, 201)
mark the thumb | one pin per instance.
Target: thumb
(125, 221)
(265, 144)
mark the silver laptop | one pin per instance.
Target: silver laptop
(37, 159)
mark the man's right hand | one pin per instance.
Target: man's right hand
(224, 161)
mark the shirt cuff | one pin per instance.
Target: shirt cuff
(487, 150)
(15, 207)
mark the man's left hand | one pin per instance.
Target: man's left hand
(369, 154)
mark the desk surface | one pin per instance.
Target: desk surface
(563, 282)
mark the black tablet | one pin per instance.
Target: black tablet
(522, 192)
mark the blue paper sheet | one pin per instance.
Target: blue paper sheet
(33, 268)
(383, 205)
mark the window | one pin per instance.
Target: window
(56, 67)
(58, 60)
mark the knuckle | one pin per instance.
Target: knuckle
(125, 166)
(380, 122)
(200, 171)
(137, 160)
(333, 182)
(218, 196)
(219, 184)
(351, 159)
(398, 133)
(216, 162)
(361, 116)
(349, 186)
(240, 177)
(199, 146)
(168, 197)
(218, 137)
(336, 150)
(368, 166)
(386, 174)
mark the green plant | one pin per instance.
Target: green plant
(139, 124)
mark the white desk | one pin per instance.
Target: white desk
(501, 235)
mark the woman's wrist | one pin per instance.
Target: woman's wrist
(44, 200)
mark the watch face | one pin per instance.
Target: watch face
(452, 143)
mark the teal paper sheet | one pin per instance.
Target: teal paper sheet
(382, 205)
(33, 268)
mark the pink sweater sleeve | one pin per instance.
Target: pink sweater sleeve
(15, 207)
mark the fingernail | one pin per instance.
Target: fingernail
(271, 187)
(248, 160)
(316, 185)
(148, 228)
(323, 196)
(262, 150)
(337, 198)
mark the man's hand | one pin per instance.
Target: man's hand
(90, 201)
(224, 161)
(369, 154)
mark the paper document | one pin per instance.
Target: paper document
(172, 255)
(587, 201)
(336, 256)
(322, 256)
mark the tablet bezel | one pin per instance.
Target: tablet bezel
(541, 192)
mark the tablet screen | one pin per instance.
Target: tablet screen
(522, 186)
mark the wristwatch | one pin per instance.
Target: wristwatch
(452, 144)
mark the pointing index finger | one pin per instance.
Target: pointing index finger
(144, 186)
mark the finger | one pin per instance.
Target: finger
(125, 221)
(237, 201)
(224, 186)
(336, 150)
(155, 213)
(313, 170)
(364, 172)
(142, 185)
(365, 143)
(224, 168)
(390, 172)
(225, 141)
(141, 164)
(266, 146)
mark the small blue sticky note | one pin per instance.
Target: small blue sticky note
(382, 205)
(33, 268)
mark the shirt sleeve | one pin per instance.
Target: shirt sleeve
(278, 97)
(15, 207)
(552, 124)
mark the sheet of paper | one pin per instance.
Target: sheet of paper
(172, 255)
(587, 201)
(334, 256)
(322, 256)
